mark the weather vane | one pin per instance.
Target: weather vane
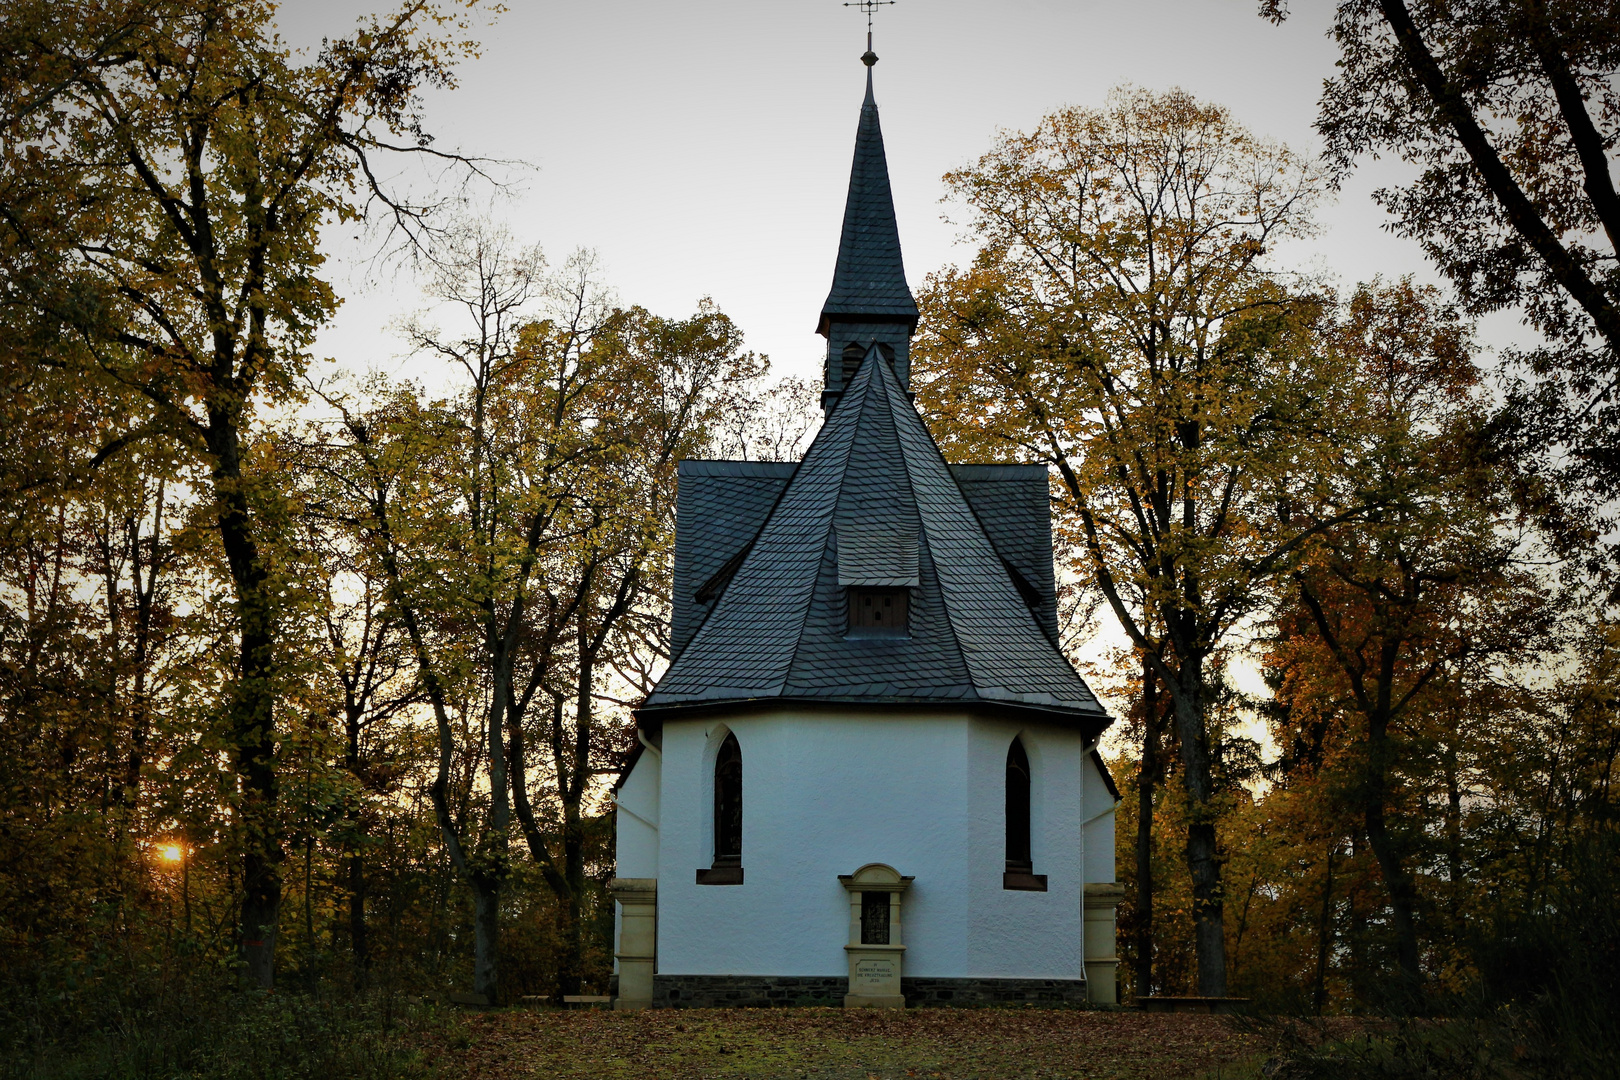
(870, 7)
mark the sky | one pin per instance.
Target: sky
(702, 148)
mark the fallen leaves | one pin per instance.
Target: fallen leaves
(832, 1044)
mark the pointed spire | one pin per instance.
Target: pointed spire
(869, 281)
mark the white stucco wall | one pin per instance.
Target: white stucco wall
(1027, 934)
(1099, 828)
(635, 848)
(636, 819)
(825, 793)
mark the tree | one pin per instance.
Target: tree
(1410, 599)
(518, 528)
(166, 171)
(1510, 109)
(1120, 323)
(365, 683)
(666, 387)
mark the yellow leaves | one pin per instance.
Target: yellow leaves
(1118, 321)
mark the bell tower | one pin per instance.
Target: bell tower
(869, 303)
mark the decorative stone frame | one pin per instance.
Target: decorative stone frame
(874, 969)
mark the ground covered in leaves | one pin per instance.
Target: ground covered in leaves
(832, 1044)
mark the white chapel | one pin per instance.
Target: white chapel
(869, 776)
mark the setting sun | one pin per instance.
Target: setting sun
(172, 852)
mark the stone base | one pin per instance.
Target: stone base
(925, 992)
(747, 991)
(785, 991)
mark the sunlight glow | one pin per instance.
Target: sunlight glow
(172, 852)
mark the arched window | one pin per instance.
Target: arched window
(854, 353)
(728, 804)
(1018, 808)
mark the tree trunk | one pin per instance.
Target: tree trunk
(1147, 778)
(1324, 936)
(1402, 904)
(1203, 856)
(571, 968)
(486, 937)
(1402, 890)
(571, 964)
(145, 590)
(252, 705)
(1454, 842)
(1356, 918)
(358, 944)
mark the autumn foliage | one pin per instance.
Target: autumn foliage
(316, 681)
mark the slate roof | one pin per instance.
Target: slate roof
(1014, 505)
(872, 502)
(719, 508)
(869, 280)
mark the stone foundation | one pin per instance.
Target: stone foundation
(747, 991)
(925, 992)
(785, 991)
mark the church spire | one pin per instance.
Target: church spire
(869, 302)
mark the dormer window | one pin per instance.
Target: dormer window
(877, 612)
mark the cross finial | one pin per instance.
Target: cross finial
(870, 7)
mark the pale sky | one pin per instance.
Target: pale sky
(702, 148)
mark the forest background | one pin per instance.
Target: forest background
(317, 681)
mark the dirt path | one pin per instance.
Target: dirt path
(831, 1044)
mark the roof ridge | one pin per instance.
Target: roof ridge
(863, 392)
(950, 626)
(765, 524)
(969, 656)
(1013, 573)
(720, 595)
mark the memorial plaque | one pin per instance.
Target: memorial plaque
(874, 974)
(874, 918)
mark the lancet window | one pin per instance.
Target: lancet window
(1020, 864)
(728, 807)
(1018, 808)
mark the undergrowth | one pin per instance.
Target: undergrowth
(239, 1035)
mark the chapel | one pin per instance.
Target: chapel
(869, 776)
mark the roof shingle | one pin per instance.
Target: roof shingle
(777, 630)
(869, 279)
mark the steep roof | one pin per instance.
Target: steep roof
(1014, 504)
(719, 507)
(869, 280)
(873, 503)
